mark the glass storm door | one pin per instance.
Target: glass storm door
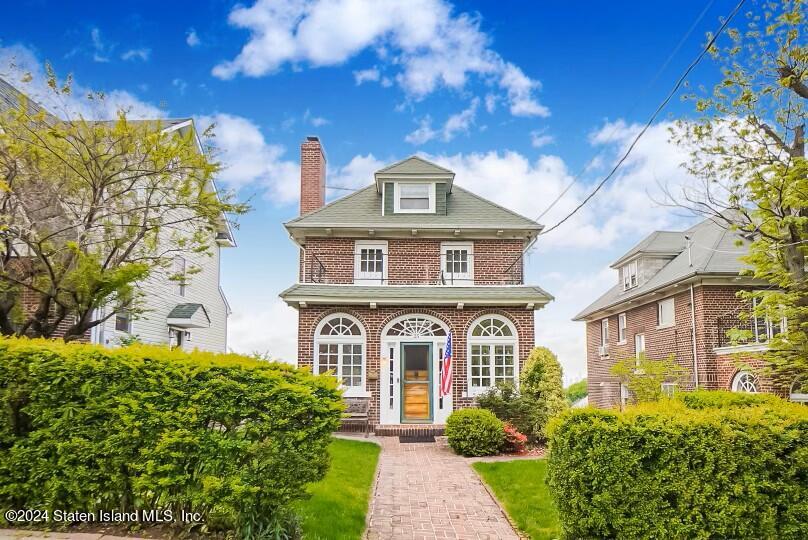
(416, 382)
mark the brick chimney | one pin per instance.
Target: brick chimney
(312, 175)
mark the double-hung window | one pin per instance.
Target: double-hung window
(414, 198)
(621, 328)
(766, 327)
(370, 262)
(123, 320)
(457, 264)
(604, 332)
(666, 315)
(639, 345)
(630, 275)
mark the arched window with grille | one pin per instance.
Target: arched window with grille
(339, 347)
(493, 348)
(744, 381)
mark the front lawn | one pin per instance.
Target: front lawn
(339, 503)
(519, 485)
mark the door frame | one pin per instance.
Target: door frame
(428, 383)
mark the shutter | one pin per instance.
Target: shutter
(440, 198)
(388, 198)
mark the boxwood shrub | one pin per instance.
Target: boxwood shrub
(475, 432)
(140, 428)
(665, 470)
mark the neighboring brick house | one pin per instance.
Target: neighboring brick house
(387, 272)
(190, 315)
(676, 294)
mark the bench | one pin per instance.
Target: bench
(357, 411)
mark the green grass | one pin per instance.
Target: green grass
(519, 486)
(339, 503)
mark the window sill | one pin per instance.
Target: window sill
(358, 393)
(621, 342)
(664, 326)
(748, 348)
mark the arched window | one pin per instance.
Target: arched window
(493, 348)
(744, 382)
(339, 346)
(416, 327)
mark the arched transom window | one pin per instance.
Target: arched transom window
(416, 327)
(339, 345)
(493, 348)
(744, 381)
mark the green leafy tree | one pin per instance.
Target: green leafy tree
(541, 379)
(644, 377)
(90, 209)
(747, 149)
(576, 391)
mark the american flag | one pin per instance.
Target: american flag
(446, 373)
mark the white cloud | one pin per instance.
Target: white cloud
(431, 46)
(180, 85)
(249, 160)
(539, 138)
(270, 329)
(316, 121)
(137, 54)
(366, 75)
(192, 38)
(17, 60)
(490, 103)
(358, 173)
(457, 123)
(101, 50)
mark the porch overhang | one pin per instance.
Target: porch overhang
(524, 296)
(188, 316)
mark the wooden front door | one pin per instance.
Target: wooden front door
(416, 382)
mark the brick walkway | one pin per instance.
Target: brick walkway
(425, 491)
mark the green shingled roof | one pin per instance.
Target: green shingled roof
(464, 210)
(506, 295)
(414, 165)
(185, 311)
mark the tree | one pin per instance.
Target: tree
(541, 379)
(576, 391)
(90, 209)
(643, 377)
(747, 150)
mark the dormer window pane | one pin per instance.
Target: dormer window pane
(414, 196)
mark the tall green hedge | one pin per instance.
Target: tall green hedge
(88, 428)
(663, 470)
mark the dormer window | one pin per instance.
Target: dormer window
(630, 276)
(414, 198)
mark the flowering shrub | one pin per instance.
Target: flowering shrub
(515, 442)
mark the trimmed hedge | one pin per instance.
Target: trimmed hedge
(140, 428)
(664, 470)
(475, 432)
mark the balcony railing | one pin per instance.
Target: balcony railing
(404, 269)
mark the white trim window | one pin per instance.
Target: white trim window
(123, 320)
(621, 328)
(457, 263)
(493, 346)
(744, 381)
(630, 273)
(339, 348)
(669, 389)
(666, 314)
(765, 328)
(179, 273)
(370, 262)
(604, 332)
(639, 345)
(414, 198)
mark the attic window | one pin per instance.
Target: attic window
(630, 278)
(414, 198)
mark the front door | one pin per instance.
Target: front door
(416, 382)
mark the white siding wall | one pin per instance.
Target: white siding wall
(161, 296)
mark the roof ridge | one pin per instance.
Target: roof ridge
(492, 203)
(714, 248)
(328, 205)
(413, 156)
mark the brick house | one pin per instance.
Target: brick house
(676, 294)
(388, 272)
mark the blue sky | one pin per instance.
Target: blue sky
(515, 97)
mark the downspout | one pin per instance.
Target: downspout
(693, 319)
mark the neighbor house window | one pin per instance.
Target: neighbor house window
(123, 321)
(456, 263)
(630, 279)
(665, 313)
(744, 381)
(414, 198)
(493, 345)
(339, 345)
(370, 262)
(621, 328)
(179, 275)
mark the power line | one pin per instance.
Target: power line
(631, 110)
(653, 117)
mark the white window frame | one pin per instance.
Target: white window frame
(179, 266)
(118, 313)
(397, 199)
(662, 305)
(668, 389)
(340, 341)
(464, 278)
(630, 275)
(739, 379)
(604, 331)
(369, 278)
(492, 342)
(768, 326)
(621, 328)
(639, 345)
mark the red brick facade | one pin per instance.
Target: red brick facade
(374, 321)
(712, 303)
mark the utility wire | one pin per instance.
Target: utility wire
(653, 117)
